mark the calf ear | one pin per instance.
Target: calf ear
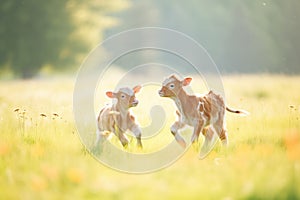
(186, 81)
(110, 94)
(137, 88)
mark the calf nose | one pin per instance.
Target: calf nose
(160, 92)
(135, 102)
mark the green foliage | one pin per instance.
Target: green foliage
(241, 36)
(37, 33)
(33, 33)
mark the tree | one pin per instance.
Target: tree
(35, 33)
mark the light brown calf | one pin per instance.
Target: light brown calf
(206, 113)
(117, 119)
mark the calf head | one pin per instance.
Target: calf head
(172, 85)
(126, 96)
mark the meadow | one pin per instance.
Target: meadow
(41, 156)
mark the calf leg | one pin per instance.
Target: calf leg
(220, 129)
(209, 141)
(224, 138)
(174, 130)
(100, 138)
(123, 139)
(197, 130)
(138, 134)
(210, 136)
(222, 133)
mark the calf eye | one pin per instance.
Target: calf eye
(172, 86)
(122, 96)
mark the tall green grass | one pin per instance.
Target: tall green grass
(41, 156)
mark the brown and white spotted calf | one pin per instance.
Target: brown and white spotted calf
(206, 113)
(116, 118)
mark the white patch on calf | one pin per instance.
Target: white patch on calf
(199, 106)
(127, 91)
(168, 80)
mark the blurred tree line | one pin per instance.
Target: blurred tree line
(241, 36)
(56, 33)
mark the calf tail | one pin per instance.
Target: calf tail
(240, 112)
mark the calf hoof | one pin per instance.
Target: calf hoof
(139, 146)
(225, 142)
(125, 144)
(194, 139)
(196, 146)
(182, 143)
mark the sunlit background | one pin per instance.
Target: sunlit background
(241, 36)
(255, 45)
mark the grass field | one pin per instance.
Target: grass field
(41, 156)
